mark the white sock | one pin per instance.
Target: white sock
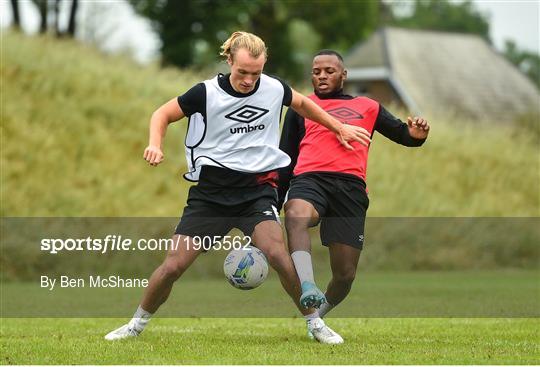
(325, 308)
(140, 319)
(312, 318)
(303, 265)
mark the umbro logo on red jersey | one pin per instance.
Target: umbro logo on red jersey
(345, 113)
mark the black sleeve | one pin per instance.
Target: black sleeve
(194, 100)
(287, 94)
(395, 129)
(287, 91)
(291, 135)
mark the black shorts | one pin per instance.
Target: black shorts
(341, 202)
(215, 211)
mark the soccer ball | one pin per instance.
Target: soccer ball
(245, 268)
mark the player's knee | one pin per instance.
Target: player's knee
(297, 211)
(297, 219)
(345, 276)
(276, 255)
(173, 269)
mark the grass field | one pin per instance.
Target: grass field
(273, 341)
(368, 319)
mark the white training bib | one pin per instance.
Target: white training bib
(239, 133)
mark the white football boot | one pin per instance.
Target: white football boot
(123, 332)
(322, 333)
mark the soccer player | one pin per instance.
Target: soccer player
(328, 182)
(232, 149)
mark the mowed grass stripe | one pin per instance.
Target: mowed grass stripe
(273, 341)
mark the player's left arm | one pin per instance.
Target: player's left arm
(413, 133)
(418, 127)
(305, 107)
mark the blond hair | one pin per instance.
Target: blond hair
(254, 44)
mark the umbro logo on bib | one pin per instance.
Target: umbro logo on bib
(344, 113)
(247, 114)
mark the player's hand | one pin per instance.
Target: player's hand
(153, 155)
(353, 133)
(418, 127)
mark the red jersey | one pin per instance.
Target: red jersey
(321, 151)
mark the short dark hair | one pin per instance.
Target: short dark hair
(329, 52)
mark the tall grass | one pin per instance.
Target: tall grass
(74, 125)
(465, 168)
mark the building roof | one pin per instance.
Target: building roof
(438, 71)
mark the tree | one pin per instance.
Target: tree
(187, 28)
(340, 23)
(192, 30)
(268, 17)
(42, 8)
(72, 18)
(45, 14)
(527, 62)
(16, 16)
(443, 15)
(56, 12)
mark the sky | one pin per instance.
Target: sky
(516, 20)
(125, 31)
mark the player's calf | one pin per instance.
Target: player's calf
(340, 286)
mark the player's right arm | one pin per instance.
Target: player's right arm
(161, 118)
